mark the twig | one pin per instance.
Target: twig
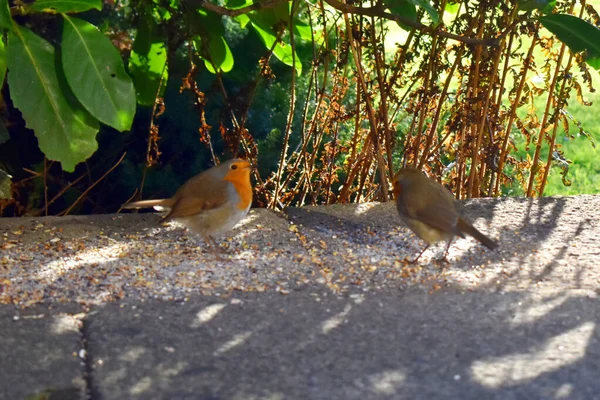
(128, 200)
(34, 173)
(150, 139)
(378, 11)
(288, 125)
(86, 191)
(63, 190)
(375, 11)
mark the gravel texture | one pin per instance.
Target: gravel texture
(343, 248)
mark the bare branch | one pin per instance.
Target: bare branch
(379, 11)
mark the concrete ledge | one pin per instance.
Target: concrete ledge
(42, 355)
(312, 303)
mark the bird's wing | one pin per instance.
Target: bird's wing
(199, 194)
(432, 208)
(150, 203)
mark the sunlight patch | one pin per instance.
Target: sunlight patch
(387, 382)
(143, 385)
(64, 323)
(364, 207)
(529, 313)
(206, 314)
(236, 341)
(515, 369)
(335, 321)
(55, 269)
(132, 354)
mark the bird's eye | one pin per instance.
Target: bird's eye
(234, 166)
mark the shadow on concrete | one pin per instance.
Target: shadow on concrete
(382, 346)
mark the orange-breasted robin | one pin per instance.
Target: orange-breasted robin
(431, 211)
(210, 203)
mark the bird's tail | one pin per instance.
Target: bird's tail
(469, 229)
(158, 204)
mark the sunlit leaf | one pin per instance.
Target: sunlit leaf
(576, 33)
(2, 63)
(95, 72)
(237, 4)
(545, 6)
(402, 8)
(66, 132)
(243, 20)
(147, 63)
(452, 7)
(262, 23)
(219, 51)
(304, 31)
(5, 184)
(65, 6)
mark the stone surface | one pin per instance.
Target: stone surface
(312, 303)
(41, 353)
(380, 345)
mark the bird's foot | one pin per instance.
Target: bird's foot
(221, 250)
(443, 259)
(219, 258)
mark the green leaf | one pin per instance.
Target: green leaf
(2, 63)
(426, 5)
(263, 23)
(282, 12)
(452, 7)
(243, 20)
(303, 30)
(65, 6)
(5, 17)
(65, 130)
(237, 4)
(147, 64)
(210, 23)
(219, 52)
(404, 9)
(545, 6)
(95, 72)
(576, 33)
(5, 184)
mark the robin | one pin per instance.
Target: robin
(431, 211)
(210, 203)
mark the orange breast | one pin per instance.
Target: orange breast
(241, 183)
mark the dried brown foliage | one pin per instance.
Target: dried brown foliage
(447, 106)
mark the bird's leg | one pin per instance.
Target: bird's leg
(422, 251)
(445, 257)
(216, 245)
(214, 248)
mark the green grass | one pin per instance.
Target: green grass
(584, 171)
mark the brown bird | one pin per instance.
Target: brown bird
(431, 211)
(210, 203)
